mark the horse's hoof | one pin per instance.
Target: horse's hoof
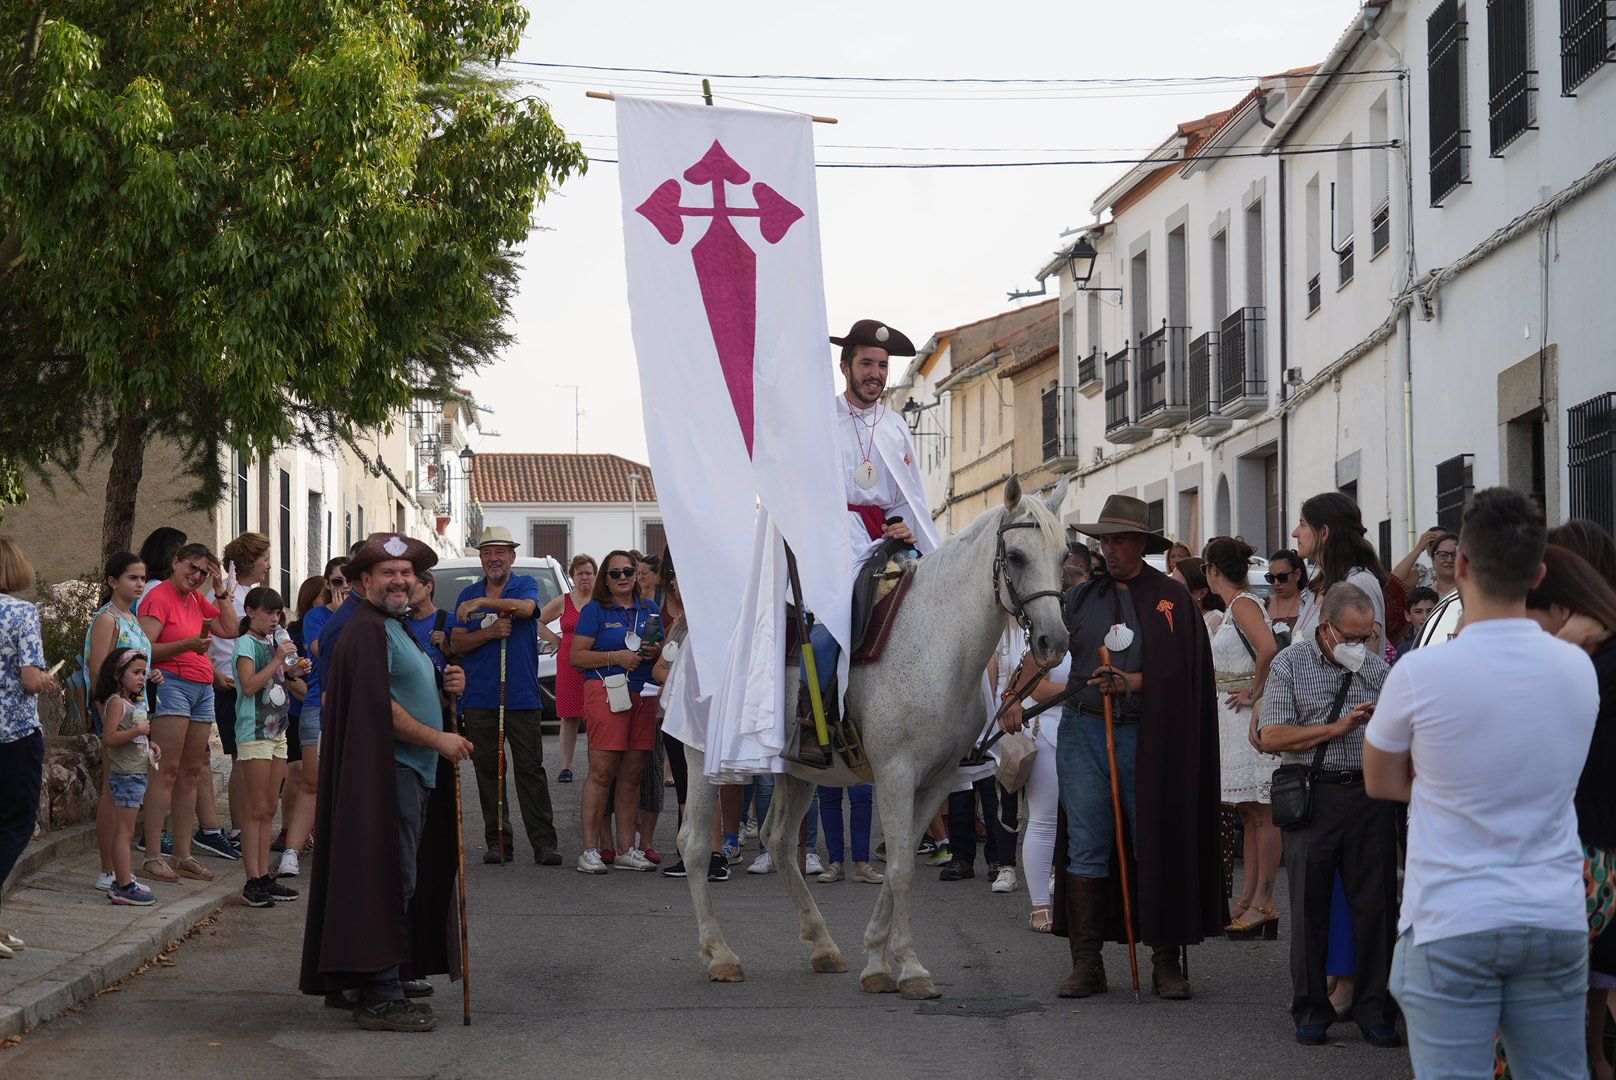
(729, 972)
(919, 990)
(828, 963)
(879, 983)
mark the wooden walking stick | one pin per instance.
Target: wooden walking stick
(1116, 813)
(465, 918)
(499, 805)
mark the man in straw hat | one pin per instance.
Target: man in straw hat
(501, 613)
(382, 900)
(1161, 679)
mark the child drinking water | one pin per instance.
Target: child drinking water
(120, 692)
(267, 676)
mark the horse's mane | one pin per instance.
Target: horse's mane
(1042, 516)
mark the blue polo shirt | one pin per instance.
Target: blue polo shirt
(422, 629)
(608, 626)
(521, 651)
(412, 684)
(332, 631)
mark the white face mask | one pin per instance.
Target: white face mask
(1351, 657)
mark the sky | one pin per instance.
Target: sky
(923, 250)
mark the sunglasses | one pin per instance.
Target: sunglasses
(618, 574)
(336, 581)
(1280, 578)
(193, 570)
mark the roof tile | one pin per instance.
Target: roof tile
(558, 478)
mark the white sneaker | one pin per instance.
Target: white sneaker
(103, 882)
(633, 859)
(813, 865)
(289, 864)
(1006, 881)
(761, 865)
(590, 862)
(749, 830)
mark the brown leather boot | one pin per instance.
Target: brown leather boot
(1086, 902)
(1166, 977)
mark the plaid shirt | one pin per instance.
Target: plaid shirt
(1302, 685)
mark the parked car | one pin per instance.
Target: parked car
(453, 575)
(1254, 581)
(1445, 621)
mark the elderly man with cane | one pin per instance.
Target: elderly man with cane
(381, 906)
(496, 633)
(1153, 782)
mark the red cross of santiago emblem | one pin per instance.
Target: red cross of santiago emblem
(726, 268)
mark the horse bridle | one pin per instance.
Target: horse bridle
(1003, 586)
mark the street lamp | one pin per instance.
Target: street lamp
(1080, 259)
(634, 510)
(468, 458)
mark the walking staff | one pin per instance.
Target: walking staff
(1116, 812)
(499, 812)
(465, 917)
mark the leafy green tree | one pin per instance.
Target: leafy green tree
(249, 223)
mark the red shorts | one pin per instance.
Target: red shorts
(632, 730)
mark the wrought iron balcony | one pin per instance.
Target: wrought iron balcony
(1088, 373)
(1059, 424)
(1242, 364)
(1163, 377)
(1120, 424)
(1205, 418)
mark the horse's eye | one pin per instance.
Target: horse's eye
(1016, 559)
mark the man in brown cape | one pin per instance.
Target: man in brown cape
(1167, 761)
(383, 909)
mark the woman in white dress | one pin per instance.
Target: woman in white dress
(1242, 649)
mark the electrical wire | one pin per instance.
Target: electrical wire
(1162, 162)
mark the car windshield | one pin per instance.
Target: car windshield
(451, 580)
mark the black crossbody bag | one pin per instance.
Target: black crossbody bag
(1290, 795)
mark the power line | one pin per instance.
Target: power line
(1164, 163)
(1139, 80)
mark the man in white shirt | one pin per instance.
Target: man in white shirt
(1485, 737)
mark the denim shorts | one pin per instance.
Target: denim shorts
(128, 789)
(308, 728)
(183, 697)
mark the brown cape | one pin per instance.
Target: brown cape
(357, 925)
(1176, 875)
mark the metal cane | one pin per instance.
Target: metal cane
(465, 918)
(1116, 813)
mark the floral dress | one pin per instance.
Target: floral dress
(20, 646)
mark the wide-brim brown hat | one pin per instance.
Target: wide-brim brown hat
(879, 335)
(1125, 514)
(383, 547)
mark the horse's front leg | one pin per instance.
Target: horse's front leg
(895, 799)
(792, 798)
(695, 844)
(914, 981)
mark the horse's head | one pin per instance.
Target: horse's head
(1027, 569)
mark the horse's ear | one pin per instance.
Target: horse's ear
(1057, 496)
(1012, 494)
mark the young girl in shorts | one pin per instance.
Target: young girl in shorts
(120, 693)
(267, 677)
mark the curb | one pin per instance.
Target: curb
(53, 846)
(33, 1003)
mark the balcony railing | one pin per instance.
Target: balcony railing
(1242, 364)
(1120, 423)
(1088, 371)
(1163, 378)
(1059, 420)
(1205, 419)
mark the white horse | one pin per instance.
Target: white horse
(921, 709)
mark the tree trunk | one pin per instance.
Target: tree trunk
(123, 481)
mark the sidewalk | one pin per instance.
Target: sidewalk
(79, 943)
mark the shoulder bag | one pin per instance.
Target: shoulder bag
(1017, 752)
(1290, 796)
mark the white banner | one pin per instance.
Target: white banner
(726, 295)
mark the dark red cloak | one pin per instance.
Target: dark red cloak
(356, 920)
(1175, 871)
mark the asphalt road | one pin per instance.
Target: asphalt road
(593, 976)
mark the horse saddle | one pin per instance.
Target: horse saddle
(879, 589)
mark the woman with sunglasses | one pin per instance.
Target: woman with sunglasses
(179, 618)
(612, 647)
(1285, 573)
(1442, 547)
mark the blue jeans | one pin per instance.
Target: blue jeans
(765, 795)
(1524, 981)
(1085, 789)
(830, 814)
(826, 653)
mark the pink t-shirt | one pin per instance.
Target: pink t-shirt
(182, 617)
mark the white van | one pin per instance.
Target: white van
(453, 575)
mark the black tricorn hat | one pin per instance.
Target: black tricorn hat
(879, 335)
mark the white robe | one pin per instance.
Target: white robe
(880, 435)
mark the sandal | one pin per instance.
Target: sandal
(159, 870)
(1040, 921)
(1265, 926)
(189, 867)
